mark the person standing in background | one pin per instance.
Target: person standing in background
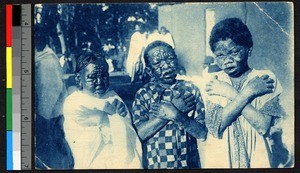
(154, 35)
(166, 36)
(51, 151)
(134, 64)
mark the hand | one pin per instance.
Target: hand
(85, 112)
(164, 110)
(109, 108)
(259, 86)
(91, 117)
(120, 107)
(220, 88)
(185, 103)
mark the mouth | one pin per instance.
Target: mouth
(169, 75)
(99, 91)
(229, 68)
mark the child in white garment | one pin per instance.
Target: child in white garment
(242, 105)
(97, 122)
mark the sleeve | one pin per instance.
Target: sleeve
(116, 96)
(140, 108)
(213, 118)
(273, 108)
(270, 105)
(200, 111)
(49, 85)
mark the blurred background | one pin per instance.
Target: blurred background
(108, 30)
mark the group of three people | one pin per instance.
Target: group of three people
(235, 114)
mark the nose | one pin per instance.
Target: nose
(228, 59)
(99, 81)
(165, 65)
(98, 84)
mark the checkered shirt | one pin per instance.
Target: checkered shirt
(171, 147)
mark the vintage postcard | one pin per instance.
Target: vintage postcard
(164, 85)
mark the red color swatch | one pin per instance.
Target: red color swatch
(8, 25)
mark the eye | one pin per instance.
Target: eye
(171, 57)
(220, 56)
(155, 63)
(88, 80)
(170, 60)
(93, 76)
(235, 52)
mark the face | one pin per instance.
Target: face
(231, 58)
(163, 64)
(95, 79)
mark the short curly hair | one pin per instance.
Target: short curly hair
(154, 45)
(231, 28)
(86, 58)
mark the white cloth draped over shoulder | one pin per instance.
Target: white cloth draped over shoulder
(221, 149)
(100, 142)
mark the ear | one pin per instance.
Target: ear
(78, 81)
(250, 51)
(148, 71)
(77, 77)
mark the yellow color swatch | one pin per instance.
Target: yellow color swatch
(9, 67)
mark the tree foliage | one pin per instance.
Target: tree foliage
(95, 26)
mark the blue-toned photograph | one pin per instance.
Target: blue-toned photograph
(164, 85)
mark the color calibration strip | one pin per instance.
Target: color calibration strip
(9, 140)
(16, 89)
(13, 86)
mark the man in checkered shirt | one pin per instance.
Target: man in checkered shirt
(168, 114)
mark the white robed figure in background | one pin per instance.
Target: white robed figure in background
(134, 59)
(97, 122)
(166, 36)
(153, 36)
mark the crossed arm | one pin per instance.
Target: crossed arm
(148, 128)
(95, 117)
(240, 102)
(160, 114)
